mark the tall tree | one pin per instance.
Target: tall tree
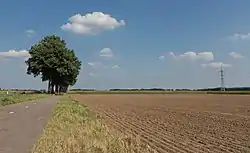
(54, 62)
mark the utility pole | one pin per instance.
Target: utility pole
(222, 83)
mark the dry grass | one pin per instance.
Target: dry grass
(74, 129)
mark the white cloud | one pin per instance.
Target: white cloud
(172, 54)
(106, 52)
(205, 56)
(95, 64)
(239, 36)
(15, 54)
(30, 32)
(216, 65)
(91, 74)
(161, 58)
(91, 64)
(91, 23)
(236, 55)
(115, 67)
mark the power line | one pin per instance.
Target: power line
(222, 83)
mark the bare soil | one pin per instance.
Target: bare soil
(179, 123)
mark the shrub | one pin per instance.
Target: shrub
(7, 101)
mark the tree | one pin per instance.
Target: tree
(54, 62)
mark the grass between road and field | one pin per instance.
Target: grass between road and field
(160, 92)
(13, 98)
(74, 129)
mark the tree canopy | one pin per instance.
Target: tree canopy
(54, 62)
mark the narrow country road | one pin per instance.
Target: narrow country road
(22, 124)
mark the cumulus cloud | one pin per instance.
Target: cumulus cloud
(95, 64)
(239, 36)
(204, 56)
(15, 54)
(172, 54)
(161, 58)
(115, 67)
(216, 65)
(30, 32)
(106, 52)
(236, 55)
(91, 23)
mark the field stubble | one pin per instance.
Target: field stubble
(179, 123)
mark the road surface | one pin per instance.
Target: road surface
(22, 124)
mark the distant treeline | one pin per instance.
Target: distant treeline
(23, 91)
(161, 89)
(82, 90)
(205, 89)
(150, 89)
(227, 89)
(2, 89)
(134, 89)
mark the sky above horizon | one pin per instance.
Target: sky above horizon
(132, 43)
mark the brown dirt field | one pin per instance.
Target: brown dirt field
(179, 123)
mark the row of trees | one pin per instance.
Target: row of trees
(54, 62)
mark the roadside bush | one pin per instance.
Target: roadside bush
(17, 98)
(7, 101)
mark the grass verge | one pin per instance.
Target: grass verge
(17, 98)
(74, 129)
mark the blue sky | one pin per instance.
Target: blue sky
(132, 43)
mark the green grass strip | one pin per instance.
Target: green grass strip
(7, 99)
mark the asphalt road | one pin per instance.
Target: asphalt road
(22, 124)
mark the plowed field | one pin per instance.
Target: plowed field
(179, 123)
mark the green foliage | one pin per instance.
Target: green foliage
(51, 59)
(7, 99)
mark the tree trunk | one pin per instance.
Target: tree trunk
(59, 89)
(66, 88)
(49, 87)
(56, 92)
(63, 89)
(52, 88)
